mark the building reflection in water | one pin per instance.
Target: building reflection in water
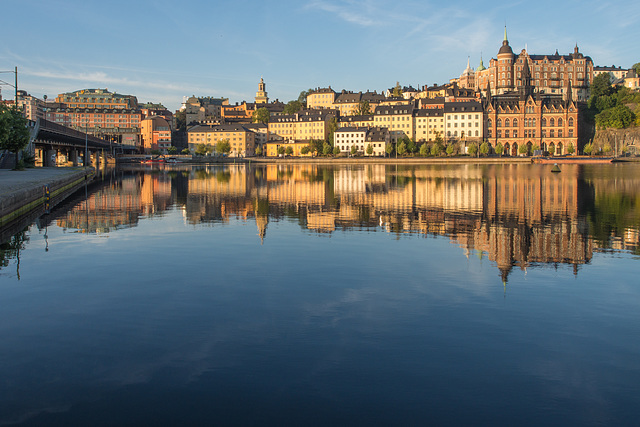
(519, 216)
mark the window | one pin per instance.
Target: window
(506, 123)
(499, 123)
(551, 122)
(560, 122)
(515, 123)
(544, 122)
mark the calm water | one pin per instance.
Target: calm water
(354, 295)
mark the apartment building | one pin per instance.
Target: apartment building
(305, 125)
(397, 118)
(241, 139)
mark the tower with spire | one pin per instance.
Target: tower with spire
(261, 94)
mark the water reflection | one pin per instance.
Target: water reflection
(519, 216)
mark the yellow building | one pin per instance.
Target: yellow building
(321, 98)
(296, 148)
(356, 121)
(429, 123)
(241, 139)
(398, 119)
(301, 126)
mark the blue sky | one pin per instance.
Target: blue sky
(163, 50)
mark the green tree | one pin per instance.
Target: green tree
(472, 150)
(412, 147)
(302, 98)
(223, 146)
(363, 108)
(523, 149)
(601, 85)
(388, 148)
(588, 148)
(369, 149)
(326, 149)
(316, 145)
(450, 149)
(571, 149)
(402, 148)
(201, 149)
(281, 150)
(636, 68)
(424, 149)
(172, 150)
(397, 90)
(181, 120)
(288, 151)
(336, 150)
(607, 148)
(499, 149)
(535, 147)
(259, 150)
(484, 148)
(436, 149)
(261, 115)
(617, 117)
(14, 134)
(305, 150)
(292, 107)
(354, 150)
(185, 151)
(332, 127)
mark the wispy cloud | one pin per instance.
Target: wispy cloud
(354, 12)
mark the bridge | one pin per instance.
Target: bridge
(53, 144)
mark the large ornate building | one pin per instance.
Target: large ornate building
(550, 74)
(98, 112)
(536, 120)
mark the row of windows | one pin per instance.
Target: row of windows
(530, 122)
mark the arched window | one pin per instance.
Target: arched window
(571, 121)
(544, 122)
(560, 122)
(506, 123)
(515, 123)
(551, 122)
(533, 123)
(499, 123)
(489, 122)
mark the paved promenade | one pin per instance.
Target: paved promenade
(21, 191)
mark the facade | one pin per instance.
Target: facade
(108, 115)
(615, 73)
(32, 107)
(429, 124)
(356, 121)
(150, 109)
(550, 74)
(241, 139)
(464, 121)
(302, 126)
(397, 118)
(547, 121)
(155, 134)
(348, 137)
(261, 132)
(321, 98)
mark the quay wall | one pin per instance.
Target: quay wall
(22, 192)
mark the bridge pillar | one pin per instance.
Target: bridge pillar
(50, 157)
(74, 156)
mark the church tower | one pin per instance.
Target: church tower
(261, 94)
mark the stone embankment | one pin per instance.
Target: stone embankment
(22, 192)
(625, 138)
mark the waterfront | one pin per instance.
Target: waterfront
(374, 294)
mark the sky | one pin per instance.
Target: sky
(163, 51)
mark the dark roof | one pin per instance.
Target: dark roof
(394, 109)
(463, 107)
(348, 98)
(219, 128)
(428, 112)
(360, 118)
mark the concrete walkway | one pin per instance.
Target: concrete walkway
(20, 191)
